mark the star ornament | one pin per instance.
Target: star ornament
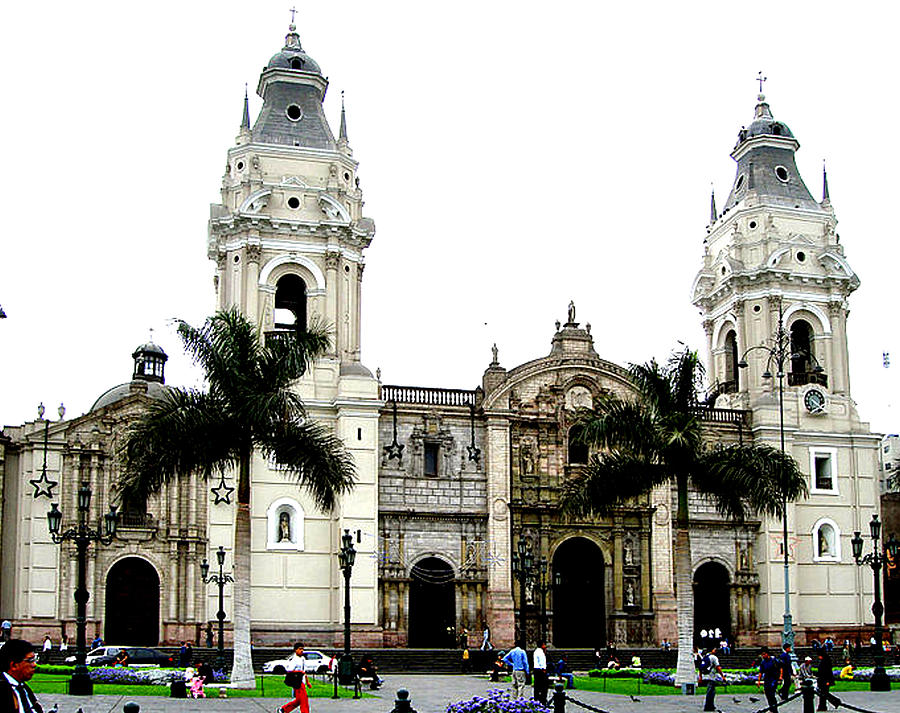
(222, 492)
(474, 452)
(43, 486)
(395, 450)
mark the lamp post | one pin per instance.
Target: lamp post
(219, 579)
(523, 569)
(82, 534)
(877, 560)
(346, 558)
(543, 585)
(777, 355)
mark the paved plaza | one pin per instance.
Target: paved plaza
(431, 694)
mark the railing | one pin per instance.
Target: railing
(802, 378)
(428, 396)
(136, 519)
(722, 415)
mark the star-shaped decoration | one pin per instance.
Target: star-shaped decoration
(222, 492)
(43, 486)
(395, 450)
(474, 452)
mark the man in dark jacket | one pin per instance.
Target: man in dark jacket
(787, 671)
(17, 664)
(824, 680)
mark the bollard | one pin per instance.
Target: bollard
(559, 698)
(403, 704)
(809, 695)
(131, 707)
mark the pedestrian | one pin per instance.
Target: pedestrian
(787, 671)
(464, 638)
(96, 643)
(845, 652)
(46, 648)
(466, 663)
(209, 635)
(806, 669)
(6, 630)
(17, 664)
(665, 646)
(540, 673)
(562, 670)
(847, 671)
(769, 677)
(295, 677)
(824, 680)
(486, 639)
(518, 660)
(182, 656)
(712, 671)
(64, 643)
(189, 653)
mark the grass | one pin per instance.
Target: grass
(634, 687)
(266, 687)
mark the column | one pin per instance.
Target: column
(618, 584)
(500, 610)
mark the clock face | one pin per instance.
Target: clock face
(814, 401)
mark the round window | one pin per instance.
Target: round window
(740, 183)
(293, 202)
(240, 165)
(294, 112)
(724, 270)
(346, 176)
(237, 258)
(756, 308)
(752, 225)
(781, 174)
(801, 256)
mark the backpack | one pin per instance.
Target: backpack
(705, 664)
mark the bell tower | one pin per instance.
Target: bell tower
(288, 239)
(774, 268)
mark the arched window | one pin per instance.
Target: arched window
(801, 347)
(290, 303)
(731, 362)
(285, 521)
(826, 541)
(578, 449)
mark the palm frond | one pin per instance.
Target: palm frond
(685, 373)
(617, 424)
(315, 457)
(187, 432)
(609, 480)
(284, 360)
(749, 479)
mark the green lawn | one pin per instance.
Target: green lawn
(634, 687)
(272, 687)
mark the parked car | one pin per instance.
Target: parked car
(137, 656)
(315, 662)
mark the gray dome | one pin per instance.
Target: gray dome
(150, 348)
(155, 390)
(293, 57)
(764, 124)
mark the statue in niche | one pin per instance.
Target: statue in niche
(628, 551)
(284, 527)
(527, 460)
(824, 548)
(629, 594)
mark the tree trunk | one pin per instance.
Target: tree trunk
(684, 587)
(242, 670)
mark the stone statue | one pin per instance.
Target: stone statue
(527, 460)
(571, 312)
(629, 594)
(628, 548)
(284, 527)
(494, 352)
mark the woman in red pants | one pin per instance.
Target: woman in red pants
(295, 677)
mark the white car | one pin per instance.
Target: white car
(314, 662)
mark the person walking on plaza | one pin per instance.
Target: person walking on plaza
(17, 664)
(486, 639)
(540, 673)
(295, 677)
(517, 659)
(64, 644)
(46, 648)
(712, 671)
(787, 671)
(824, 680)
(769, 677)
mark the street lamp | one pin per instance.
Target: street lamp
(777, 354)
(877, 560)
(82, 534)
(43, 486)
(523, 569)
(346, 558)
(219, 579)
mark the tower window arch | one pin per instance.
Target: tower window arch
(826, 541)
(578, 449)
(731, 363)
(290, 303)
(801, 347)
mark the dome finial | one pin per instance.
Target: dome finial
(292, 39)
(342, 136)
(760, 78)
(245, 119)
(825, 197)
(712, 204)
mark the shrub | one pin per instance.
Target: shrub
(497, 701)
(616, 673)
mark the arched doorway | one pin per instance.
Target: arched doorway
(432, 605)
(712, 604)
(132, 603)
(579, 606)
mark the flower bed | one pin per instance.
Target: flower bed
(497, 701)
(144, 676)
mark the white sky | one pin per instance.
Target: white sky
(514, 156)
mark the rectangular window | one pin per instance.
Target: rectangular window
(823, 470)
(431, 459)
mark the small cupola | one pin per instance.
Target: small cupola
(149, 363)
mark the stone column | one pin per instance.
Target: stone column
(618, 583)
(646, 572)
(332, 297)
(500, 611)
(254, 252)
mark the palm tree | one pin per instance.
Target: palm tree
(657, 437)
(249, 406)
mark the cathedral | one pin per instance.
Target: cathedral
(457, 490)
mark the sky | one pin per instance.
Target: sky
(514, 156)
